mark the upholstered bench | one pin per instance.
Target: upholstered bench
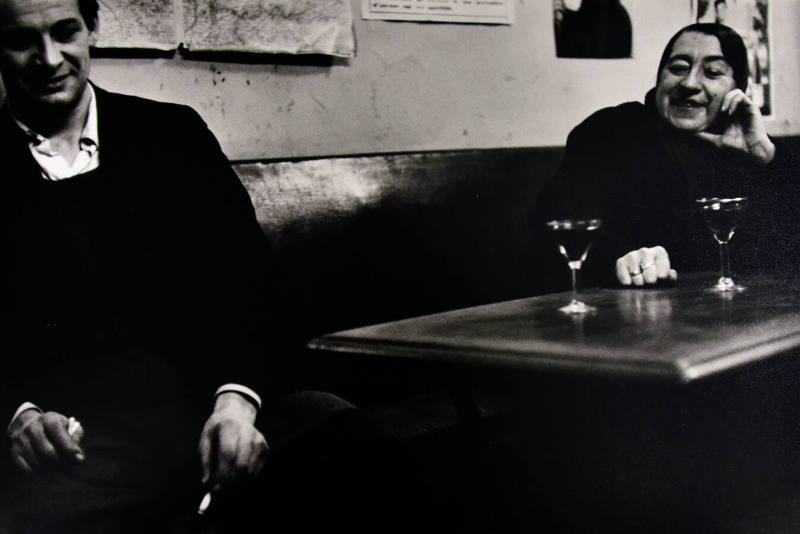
(373, 238)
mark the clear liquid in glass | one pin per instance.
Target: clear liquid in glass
(574, 238)
(721, 216)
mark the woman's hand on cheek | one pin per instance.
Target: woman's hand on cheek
(745, 127)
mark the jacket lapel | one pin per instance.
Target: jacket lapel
(19, 167)
(112, 128)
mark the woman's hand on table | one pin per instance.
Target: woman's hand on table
(745, 127)
(643, 266)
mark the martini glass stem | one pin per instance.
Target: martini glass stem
(725, 263)
(575, 270)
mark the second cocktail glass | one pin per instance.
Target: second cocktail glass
(722, 215)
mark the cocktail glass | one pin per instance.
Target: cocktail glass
(574, 237)
(722, 215)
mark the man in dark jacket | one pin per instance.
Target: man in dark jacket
(134, 279)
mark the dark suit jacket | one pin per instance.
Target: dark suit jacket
(145, 278)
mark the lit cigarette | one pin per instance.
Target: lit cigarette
(204, 504)
(72, 426)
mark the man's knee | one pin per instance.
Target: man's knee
(301, 411)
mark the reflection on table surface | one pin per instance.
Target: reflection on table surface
(678, 333)
(610, 431)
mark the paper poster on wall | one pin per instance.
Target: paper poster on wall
(592, 29)
(284, 26)
(477, 11)
(259, 26)
(750, 19)
(140, 24)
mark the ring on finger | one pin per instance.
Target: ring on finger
(637, 273)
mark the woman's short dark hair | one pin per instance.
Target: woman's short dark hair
(89, 9)
(731, 43)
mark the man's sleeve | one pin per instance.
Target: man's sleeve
(241, 317)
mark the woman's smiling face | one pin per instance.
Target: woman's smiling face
(693, 82)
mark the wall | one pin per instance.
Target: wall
(434, 86)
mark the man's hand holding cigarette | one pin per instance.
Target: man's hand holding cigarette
(42, 442)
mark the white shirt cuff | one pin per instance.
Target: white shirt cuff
(24, 407)
(245, 391)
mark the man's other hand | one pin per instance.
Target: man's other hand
(41, 442)
(231, 447)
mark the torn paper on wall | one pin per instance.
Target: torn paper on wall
(259, 26)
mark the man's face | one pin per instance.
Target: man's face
(44, 52)
(693, 82)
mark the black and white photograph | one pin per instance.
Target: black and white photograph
(592, 29)
(393, 266)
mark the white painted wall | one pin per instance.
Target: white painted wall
(435, 86)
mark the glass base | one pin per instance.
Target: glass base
(577, 306)
(727, 284)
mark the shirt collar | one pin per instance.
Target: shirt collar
(89, 139)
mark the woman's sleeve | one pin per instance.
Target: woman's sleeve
(582, 187)
(773, 216)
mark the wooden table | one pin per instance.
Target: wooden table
(680, 333)
(650, 412)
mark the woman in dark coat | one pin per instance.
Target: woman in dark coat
(640, 167)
